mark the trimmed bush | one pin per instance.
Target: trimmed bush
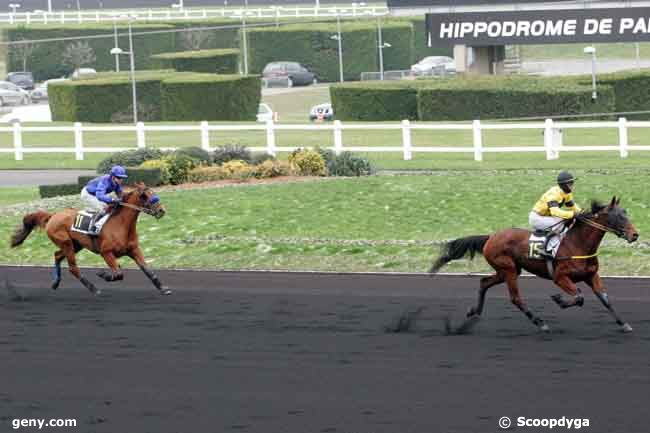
(374, 101)
(46, 59)
(128, 158)
(237, 169)
(58, 190)
(307, 163)
(223, 61)
(150, 176)
(211, 97)
(260, 157)
(162, 165)
(179, 167)
(311, 45)
(206, 174)
(197, 153)
(632, 89)
(231, 152)
(272, 168)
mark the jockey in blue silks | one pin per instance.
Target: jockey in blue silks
(95, 194)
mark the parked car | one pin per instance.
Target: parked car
(24, 80)
(40, 92)
(434, 65)
(321, 112)
(12, 94)
(291, 73)
(264, 112)
(83, 73)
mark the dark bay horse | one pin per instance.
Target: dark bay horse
(118, 237)
(576, 261)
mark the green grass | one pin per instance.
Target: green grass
(13, 195)
(309, 226)
(574, 51)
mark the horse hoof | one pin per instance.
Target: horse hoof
(627, 328)
(544, 328)
(55, 284)
(165, 291)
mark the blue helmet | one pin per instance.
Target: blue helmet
(118, 171)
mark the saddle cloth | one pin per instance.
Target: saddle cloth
(536, 243)
(82, 222)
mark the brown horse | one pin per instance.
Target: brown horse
(118, 237)
(576, 261)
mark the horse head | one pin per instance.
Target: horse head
(144, 197)
(614, 219)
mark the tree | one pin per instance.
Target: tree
(22, 52)
(194, 39)
(78, 54)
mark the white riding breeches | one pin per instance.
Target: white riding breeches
(91, 202)
(538, 222)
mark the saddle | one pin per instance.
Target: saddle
(85, 222)
(543, 244)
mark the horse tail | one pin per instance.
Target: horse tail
(457, 249)
(30, 221)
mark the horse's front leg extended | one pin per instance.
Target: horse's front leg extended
(599, 290)
(138, 257)
(565, 283)
(115, 274)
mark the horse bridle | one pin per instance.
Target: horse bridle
(138, 208)
(604, 228)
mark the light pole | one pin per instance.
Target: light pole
(337, 37)
(117, 51)
(244, 39)
(592, 51)
(381, 47)
(13, 7)
(117, 56)
(49, 6)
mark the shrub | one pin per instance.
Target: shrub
(272, 168)
(162, 165)
(347, 164)
(58, 190)
(197, 153)
(206, 174)
(237, 169)
(179, 167)
(327, 154)
(129, 158)
(220, 61)
(231, 152)
(307, 163)
(259, 157)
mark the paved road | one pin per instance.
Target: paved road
(40, 177)
(258, 352)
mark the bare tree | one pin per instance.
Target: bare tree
(78, 54)
(22, 51)
(194, 39)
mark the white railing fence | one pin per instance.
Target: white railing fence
(552, 143)
(81, 17)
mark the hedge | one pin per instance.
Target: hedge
(216, 33)
(58, 190)
(509, 97)
(632, 90)
(312, 46)
(162, 95)
(150, 177)
(374, 102)
(46, 61)
(222, 61)
(210, 97)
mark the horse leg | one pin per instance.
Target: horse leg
(138, 257)
(486, 283)
(56, 274)
(599, 290)
(115, 274)
(68, 250)
(515, 298)
(565, 283)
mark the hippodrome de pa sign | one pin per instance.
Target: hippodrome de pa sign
(539, 27)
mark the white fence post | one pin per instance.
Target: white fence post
(270, 138)
(78, 142)
(478, 140)
(139, 129)
(549, 142)
(622, 136)
(406, 139)
(338, 137)
(205, 136)
(18, 141)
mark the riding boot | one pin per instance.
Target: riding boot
(545, 252)
(93, 228)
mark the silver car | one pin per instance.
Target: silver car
(10, 94)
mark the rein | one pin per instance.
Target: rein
(138, 208)
(597, 226)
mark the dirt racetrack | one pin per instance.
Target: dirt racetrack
(284, 353)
